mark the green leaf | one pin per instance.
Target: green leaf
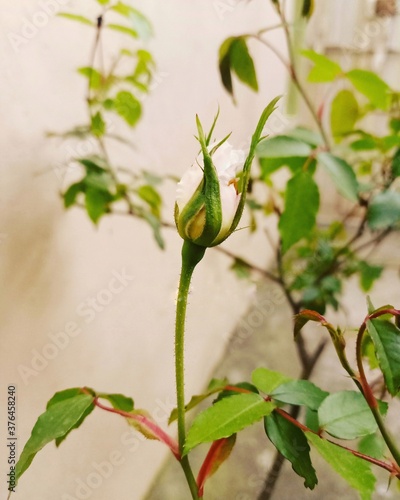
(139, 22)
(344, 113)
(341, 174)
(93, 164)
(300, 392)
(386, 338)
(108, 104)
(270, 165)
(368, 274)
(372, 309)
(95, 78)
(325, 70)
(307, 9)
(103, 2)
(54, 423)
(74, 17)
(241, 268)
(98, 124)
(373, 446)
(87, 412)
(102, 181)
(226, 417)
(144, 68)
(366, 144)
(283, 146)
(225, 66)
(242, 63)
(346, 415)
(118, 401)
(384, 210)
(64, 395)
(306, 135)
(214, 386)
(234, 389)
(268, 380)
(371, 86)
(155, 224)
(127, 106)
(123, 29)
(97, 203)
(368, 351)
(354, 470)
(303, 318)
(148, 194)
(234, 56)
(291, 442)
(312, 421)
(388, 142)
(72, 192)
(301, 206)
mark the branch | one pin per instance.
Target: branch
(148, 424)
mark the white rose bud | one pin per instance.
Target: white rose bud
(192, 191)
(212, 193)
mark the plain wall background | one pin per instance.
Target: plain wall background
(51, 260)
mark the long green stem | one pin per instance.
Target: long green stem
(191, 256)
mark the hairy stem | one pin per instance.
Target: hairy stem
(191, 256)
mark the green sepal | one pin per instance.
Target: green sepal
(256, 138)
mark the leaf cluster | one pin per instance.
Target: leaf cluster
(116, 92)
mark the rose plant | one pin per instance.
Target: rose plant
(311, 264)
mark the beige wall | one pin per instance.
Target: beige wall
(52, 261)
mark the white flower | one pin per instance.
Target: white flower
(228, 163)
(211, 195)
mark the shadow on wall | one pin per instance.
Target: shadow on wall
(29, 264)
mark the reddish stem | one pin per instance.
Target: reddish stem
(392, 468)
(295, 422)
(234, 388)
(381, 312)
(151, 426)
(369, 396)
